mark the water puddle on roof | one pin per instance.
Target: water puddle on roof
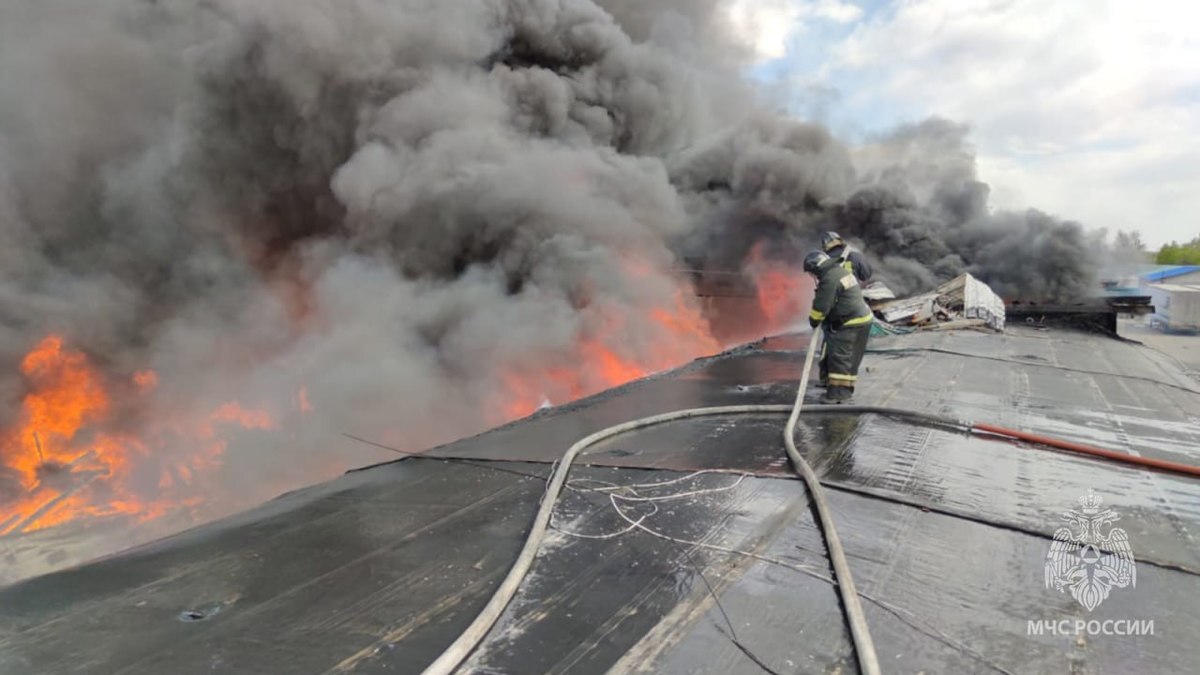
(1121, 432)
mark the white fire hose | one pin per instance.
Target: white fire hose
(462, 647)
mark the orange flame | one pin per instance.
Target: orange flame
(604, 358)
(784, 293)
(54, 462)
(67, 461)
(249, 419)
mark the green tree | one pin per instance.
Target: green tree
(1175, 253)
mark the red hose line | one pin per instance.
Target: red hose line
(1165, 465)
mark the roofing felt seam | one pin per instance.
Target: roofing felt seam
(833, 485)
(923, 506)
(1035, 364)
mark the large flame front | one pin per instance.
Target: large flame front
(72, 452)
(66, 459)
(604, 359)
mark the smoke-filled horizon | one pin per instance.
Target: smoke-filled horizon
(395, 217)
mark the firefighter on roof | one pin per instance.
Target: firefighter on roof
(846, 256)
(839, 309)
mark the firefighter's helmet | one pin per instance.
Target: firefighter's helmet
(814, 260)
(830, 240)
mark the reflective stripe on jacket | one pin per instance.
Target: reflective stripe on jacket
(838, 300)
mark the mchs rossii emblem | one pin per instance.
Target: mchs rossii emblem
(1088, 560)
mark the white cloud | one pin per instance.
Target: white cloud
(767, 25)
(1090, 110)
(1151, 189)
(833, 10)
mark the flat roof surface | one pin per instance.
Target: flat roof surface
(947, 535)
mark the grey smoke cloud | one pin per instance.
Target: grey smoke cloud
(921, 201)
(387, 210)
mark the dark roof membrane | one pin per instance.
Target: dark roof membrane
(947, 536)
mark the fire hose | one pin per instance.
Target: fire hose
(864, 648)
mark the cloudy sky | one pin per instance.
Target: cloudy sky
(1087, 109)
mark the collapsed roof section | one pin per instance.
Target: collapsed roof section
(964, 300)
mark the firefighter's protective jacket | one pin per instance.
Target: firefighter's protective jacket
(838, 300)
(852, 260)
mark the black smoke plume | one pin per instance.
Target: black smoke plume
(371, 215)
